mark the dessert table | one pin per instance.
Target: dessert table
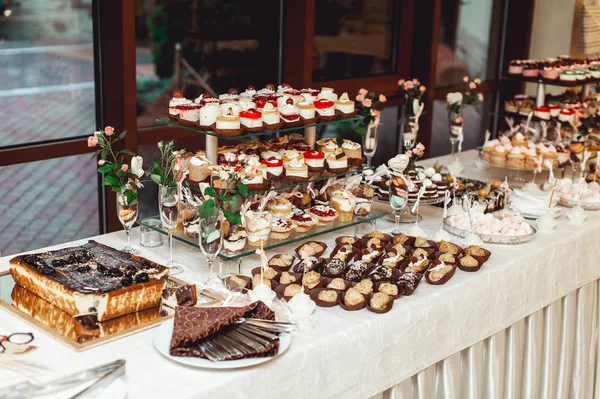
(525, 325)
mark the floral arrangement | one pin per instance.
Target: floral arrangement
(413, 91)
(414, 155)
(168, 170)
(457, 100)
(229, 199)
(118, 175)
(370, 106)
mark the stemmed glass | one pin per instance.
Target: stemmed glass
(127, 214)
(369, 142)
(398, 201)
(211, 241)
(456, 124)
(168, 206)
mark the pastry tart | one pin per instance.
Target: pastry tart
(380, 302)
(439, 273)
(352, 300)
(325, 297)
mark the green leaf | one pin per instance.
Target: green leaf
(131, 196)
(155, 178)
(111, 180)
(122, 135)
(233, 218)
(226, 198)
(155, 163)
(128, 152)
(210, 192)
(104, 153)
(206, 209)
(95, 154)
(242, 189)
(105, 168)
(116, 189)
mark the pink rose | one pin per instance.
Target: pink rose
(477, 80)
(101, 162)
(366, 102)
(415, 80)
(97, 133)
(382, 98)
(480, 97)
(420, 147)
(360, 98)
(363, 92)
(230, 157)
(472, 86)
(422, 88)
(400, 82)
(409, 85)
(92, 141)
(124, 167)
(109, 130)
(224, 175)
(377, 114)
(409, 153)
(465, 79)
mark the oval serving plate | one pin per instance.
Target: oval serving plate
(492, 238)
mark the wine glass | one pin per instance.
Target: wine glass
(456, 124)
(398, 201)
(211, 240)
(168, 206)
(369, 141)
(128, 214)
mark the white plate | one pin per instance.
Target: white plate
(162, 342)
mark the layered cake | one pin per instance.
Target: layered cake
(92, 279)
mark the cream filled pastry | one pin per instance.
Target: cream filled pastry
(315, 160)
(296, 170)
(343, 202)
(307, 111)
(228, 124)
(251, 120)
(337, 162)
(325, 109)
(327, 93)
(208, 115)
(270, 116)
(177, 100)
(258, 227)
(344, 105)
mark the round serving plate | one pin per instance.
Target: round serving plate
(162, 342)
(588, 206)
(491, 238)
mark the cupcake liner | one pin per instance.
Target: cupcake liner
(280, 289)
(406, 291)
(314, 295)
(353, 307)
(281, 268)
(380, 311)
(377, 285)
(443, 280)
(248, 280)
(320, 284)
(480, 262)
(485, 257)
(421, 270)
(256, 271)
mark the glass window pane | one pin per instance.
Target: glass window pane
(224, 43)
(464, 47)
(474, 127)
(354, 38)
(46, 70)
(47, 202)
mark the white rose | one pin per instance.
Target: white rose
(454, 98)
(399, 163)
(136, 166)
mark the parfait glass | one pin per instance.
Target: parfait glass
(210, 241)
(128, 214)
(456, 124)
(168, 206)
(398, 202)
(369, 141)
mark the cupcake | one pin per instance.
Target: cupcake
(337, 161)
(199, 171)
(325, 109)
(208, 115)
(270, 117)
(296, 171)
(353, 152)
(251, 120)
(344, 107)
(258, 227)
(307, 111)
(344, 203)
(280, 229)
(302, 222)
(228, 125)
(177, 101)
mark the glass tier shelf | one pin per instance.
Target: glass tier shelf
(285, 185)
(169, 122)
(294, 237)
(557, 82)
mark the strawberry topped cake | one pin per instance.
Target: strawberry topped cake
(325, 109)
(251, 120)
(315, 160)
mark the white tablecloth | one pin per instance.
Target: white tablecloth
(358, 354)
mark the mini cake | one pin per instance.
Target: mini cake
(530, 70)
(337, 162)
(344, 106)
(310, 94)
(321, 144)
(344, 203)
(325, 109)
(290, 155)
(284, 88)
(256, 181)
(328, 94)
(301, 202)
(228, 125)
(323, 214)
(542, 113)
(551, 73)
(248, 94)
(199, 170)
(296, 171)
(289, 113)
(246, 104)
(515, 158)
(231, 95)
(518, 140)
(353, 152)
(511, 106)
(208, 115)
(235, 107)
(234, 238)
(302, 221)
(315, 160)
(206, 98)
(177, 101)
(280, 207)
(566, 115)
(274, 168)
(283, 100)
(251, 120)
(594, 71)
(307, 111)
(280, 229)
(554, 110)
(568, 75)
(498, 157)
(515, 67)
(258, 227)
(188, 114)
(270, 117)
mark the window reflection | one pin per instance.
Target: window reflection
(354, 38)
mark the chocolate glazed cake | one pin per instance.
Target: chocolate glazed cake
(92, 279)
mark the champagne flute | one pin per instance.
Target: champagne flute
(128, 214)
(398, 201)
(456, 124)
(168, 204)
(211, 240)
(369, 142)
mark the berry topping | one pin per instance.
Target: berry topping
(289, 101)
(206, 94)
(177, 94)
(232, 91)
(342, 249)
(270, 86)
(414, 259)
(250, 88)
(286, 85)
(436, 262)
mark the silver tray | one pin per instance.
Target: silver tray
(585, 205)
(492, 238)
